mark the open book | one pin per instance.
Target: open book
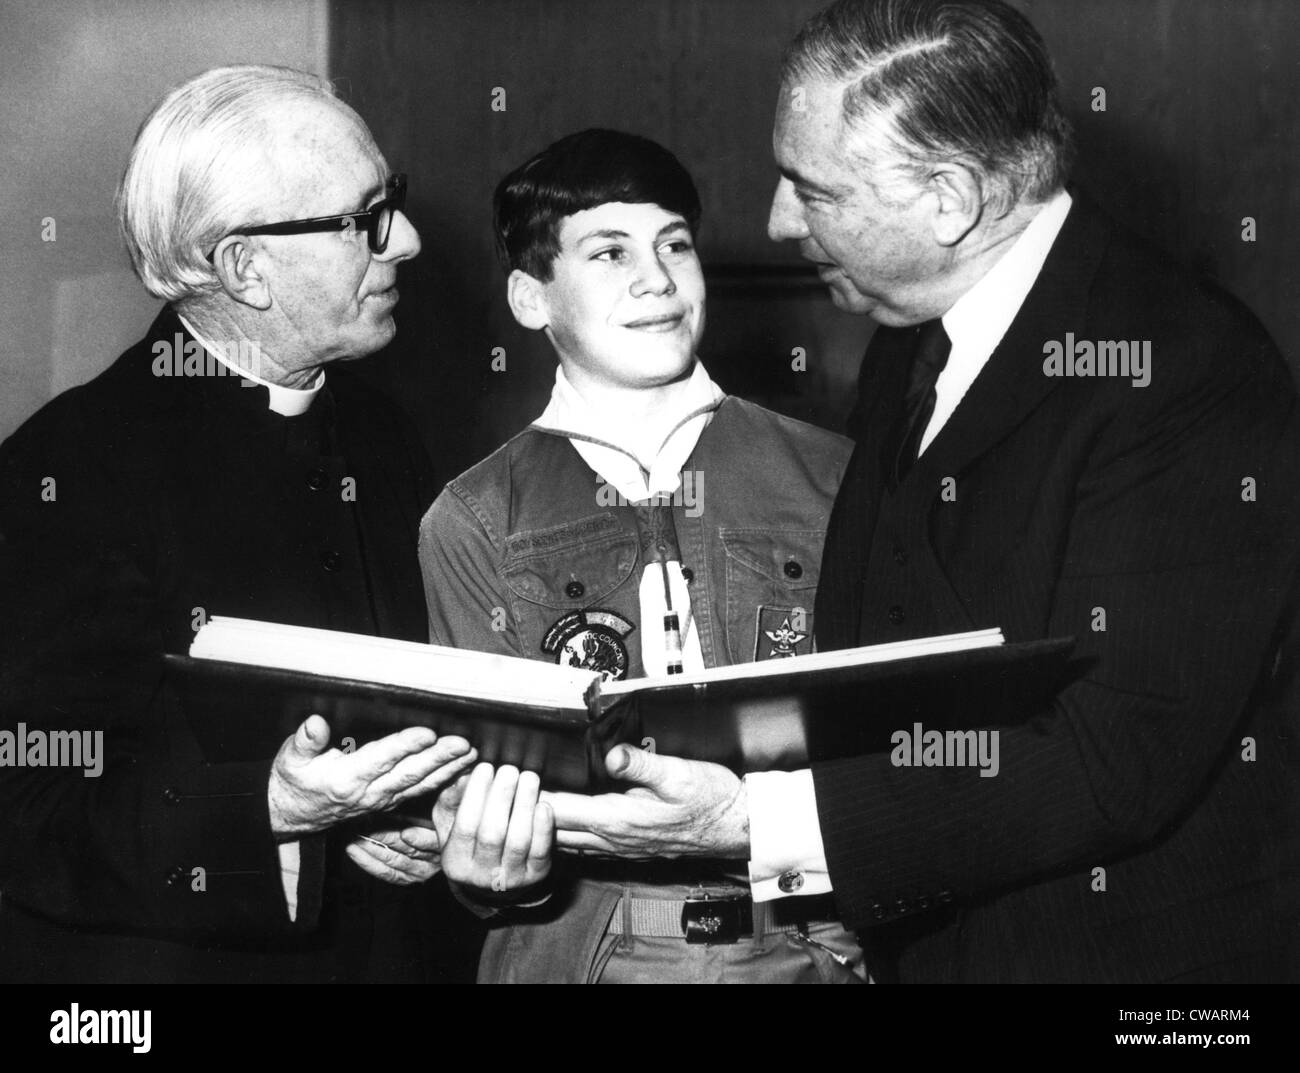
(247, 684)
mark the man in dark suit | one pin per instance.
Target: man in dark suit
(1058, 434)
(217, 468)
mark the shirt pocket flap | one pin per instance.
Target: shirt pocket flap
(572, 565)
(789, 558)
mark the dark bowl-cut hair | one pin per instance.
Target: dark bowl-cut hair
(579, 172)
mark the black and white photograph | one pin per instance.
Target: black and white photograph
(651, 491)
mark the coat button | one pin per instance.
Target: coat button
(793, 570)
(688, 575)
(171, 796)
(574, 590)
(177, 876)
(943, 897)
(789, 882)
(877, 911)
(902, 906)
(316, 480)
(900, 556)
(332, 561)
(896, 615)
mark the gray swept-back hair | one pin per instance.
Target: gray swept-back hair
(199, 168)
(932, 80)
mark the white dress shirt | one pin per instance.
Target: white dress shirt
(289, 402)
(784, 831)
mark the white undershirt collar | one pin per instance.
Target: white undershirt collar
(608, 442)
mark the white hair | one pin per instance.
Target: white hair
(199, 168)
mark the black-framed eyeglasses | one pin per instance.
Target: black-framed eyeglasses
(377, 221)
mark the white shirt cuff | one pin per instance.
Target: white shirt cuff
(785, 837)
(289, 863)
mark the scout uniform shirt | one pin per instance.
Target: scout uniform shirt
(548, 549)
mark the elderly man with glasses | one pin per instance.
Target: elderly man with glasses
(219, 467)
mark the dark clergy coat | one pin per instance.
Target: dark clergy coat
(131, 509)
(1142, 827)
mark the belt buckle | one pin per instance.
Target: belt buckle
(711, 920)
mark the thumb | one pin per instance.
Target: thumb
(311, 739)
(630, 764)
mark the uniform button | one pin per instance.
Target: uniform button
(902, 906)
(877, 911)
(171, 796)
(332, 561)
(900, 556)
(923, 902)
(943, 897)
(316, 480)
(896, 615)
(177, 876)
(793, 570)
(688, 575)
(789, 882)
(574, 590)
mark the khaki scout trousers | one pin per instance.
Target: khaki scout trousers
(568, 941)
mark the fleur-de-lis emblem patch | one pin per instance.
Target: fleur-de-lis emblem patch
(782, 632)
(783, 639)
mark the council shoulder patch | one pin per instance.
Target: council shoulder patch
(782, 632)
(592, 639)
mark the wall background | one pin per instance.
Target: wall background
(1201, 129)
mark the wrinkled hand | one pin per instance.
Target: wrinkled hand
(496, 837)
(675, 808)
(403, 857)
(314, 787)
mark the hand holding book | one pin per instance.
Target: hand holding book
(496, 834)
(670, 807)
(314, 787)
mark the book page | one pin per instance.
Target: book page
(819, 661)
(434, 668)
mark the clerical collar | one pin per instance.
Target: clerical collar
(286, 401)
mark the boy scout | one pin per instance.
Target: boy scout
(644, 524)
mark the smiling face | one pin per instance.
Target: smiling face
(624, 307)
(878, 256)
(331, 297)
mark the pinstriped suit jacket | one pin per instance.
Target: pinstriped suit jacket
(1171, 766)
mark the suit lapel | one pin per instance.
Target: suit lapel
(1012, 383)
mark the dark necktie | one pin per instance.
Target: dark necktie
(932, 349)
